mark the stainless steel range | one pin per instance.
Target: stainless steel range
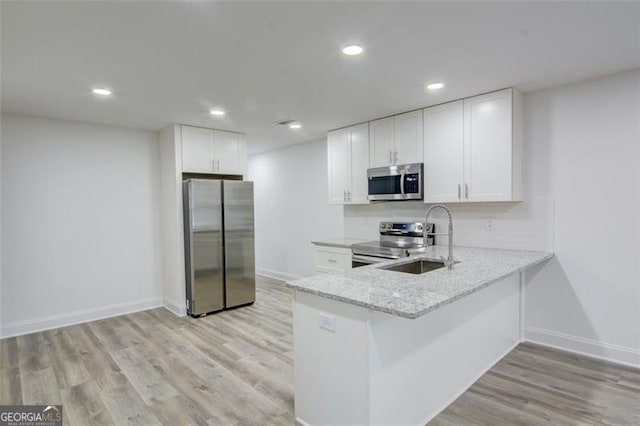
(396, 238)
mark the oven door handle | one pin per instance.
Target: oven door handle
(370, 260)
(402, 174)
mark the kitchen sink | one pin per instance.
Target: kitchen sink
(418, 266)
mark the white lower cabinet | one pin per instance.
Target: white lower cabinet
(332, 259)
(473, 149)
(347, 162)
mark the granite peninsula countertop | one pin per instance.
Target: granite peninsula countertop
(339, 242)
(411, 296)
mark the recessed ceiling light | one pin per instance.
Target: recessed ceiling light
(352, 50)
(217, 112)
(101, 91)
(435, 86)
(295, 126)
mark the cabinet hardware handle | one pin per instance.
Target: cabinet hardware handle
(213, 165)
(459, 192)
(466, 191)
(395, 157)
(390, 161)
(332, 261)
(349, 195)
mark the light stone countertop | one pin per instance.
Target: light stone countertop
(339, 242)
(411, 296)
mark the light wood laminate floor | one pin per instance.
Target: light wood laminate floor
(236, 368)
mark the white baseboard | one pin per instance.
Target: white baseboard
(301, 422)
(178, 309)
(587, 347)
(18, 328)
(283, 276)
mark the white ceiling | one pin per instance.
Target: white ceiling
(170, 62)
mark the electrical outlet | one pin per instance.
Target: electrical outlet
(489, 225)
(327, 322)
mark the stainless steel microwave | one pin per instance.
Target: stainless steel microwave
(395, 183)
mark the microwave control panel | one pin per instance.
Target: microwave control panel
(412, 183)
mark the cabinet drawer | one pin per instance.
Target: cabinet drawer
(332, 259)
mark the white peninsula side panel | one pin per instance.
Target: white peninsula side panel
(332, 374)
(377, 368)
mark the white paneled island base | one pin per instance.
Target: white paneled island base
(354, 365)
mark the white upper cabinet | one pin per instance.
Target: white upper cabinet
(407, 138)
(359, 143)
(396, 140)
(338, 165)
(229, 152)
(197, 150)
(381, 142)
(489, 147)
(348, 160)
(443, 153)
(473, 149)
(213, 151)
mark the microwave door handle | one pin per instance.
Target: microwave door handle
(402, 173)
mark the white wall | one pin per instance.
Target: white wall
(1, 287)
(291, 208)
(80, 222)
(588, 297)
(173, 268)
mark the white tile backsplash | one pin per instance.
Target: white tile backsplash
(526, 225)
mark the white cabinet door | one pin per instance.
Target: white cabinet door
(488, 147)
(443, 153)
(358, 137)
(228, 152)
(197, 155)
(213, 151)
(338, 165)
(407, 138)
(332, 259)
(381, 142)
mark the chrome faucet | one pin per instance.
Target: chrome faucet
(448, 262)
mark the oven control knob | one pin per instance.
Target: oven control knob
(420, 227)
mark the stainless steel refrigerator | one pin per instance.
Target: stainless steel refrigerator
(219, 244)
